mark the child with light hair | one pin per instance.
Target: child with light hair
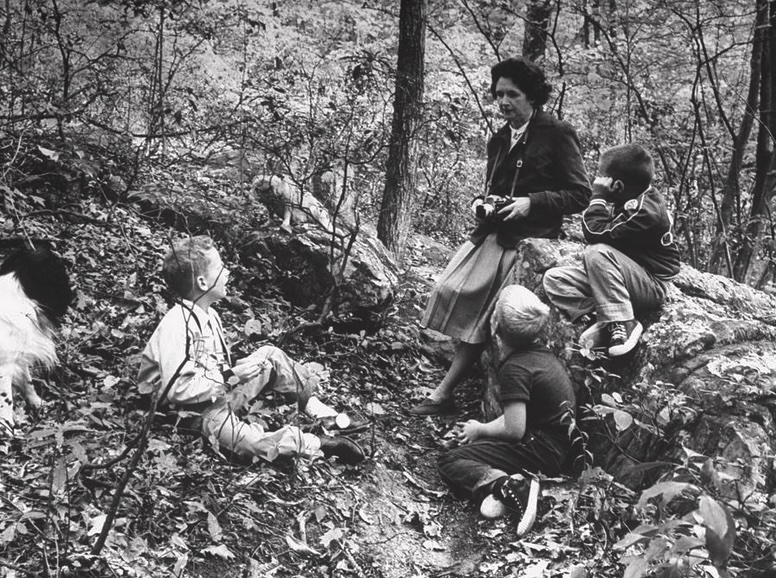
(495, 462)
(187, 365)
(520, 315)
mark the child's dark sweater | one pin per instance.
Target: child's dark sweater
(641, 229)
(536, 377)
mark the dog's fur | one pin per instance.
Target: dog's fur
(34, 293)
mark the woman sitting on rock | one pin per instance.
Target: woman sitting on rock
(535, 176)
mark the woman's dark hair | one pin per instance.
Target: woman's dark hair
(528, 77)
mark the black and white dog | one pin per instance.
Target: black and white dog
(34, 293)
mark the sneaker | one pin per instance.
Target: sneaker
(520, 496)
(594, 336)
(343, 448)
(492, 508)
(432, 407)
(623, 336)
(316, 409)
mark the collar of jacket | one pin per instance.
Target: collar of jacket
(202, 316)
(541, 118)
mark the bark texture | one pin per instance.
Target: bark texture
(396, 209)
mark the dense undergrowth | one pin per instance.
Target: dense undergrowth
(188, 511)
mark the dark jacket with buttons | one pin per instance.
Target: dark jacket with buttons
(552, 176)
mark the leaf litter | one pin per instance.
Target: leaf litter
(188, 511)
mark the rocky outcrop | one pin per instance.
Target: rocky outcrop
(703, 378)
(308, 263)
(313, 264)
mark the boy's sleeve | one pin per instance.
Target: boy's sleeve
(601, 223)
(173, 354)
(570, 171)
(514, 382)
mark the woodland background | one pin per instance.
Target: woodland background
(301, 88)
(109, 107)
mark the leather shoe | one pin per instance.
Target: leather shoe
(343, 448)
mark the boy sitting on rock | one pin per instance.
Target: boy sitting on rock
(630, 257)
(495, 460)
(187, 363)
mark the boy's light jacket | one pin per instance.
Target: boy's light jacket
(188, 347)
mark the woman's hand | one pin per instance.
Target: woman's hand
(517, 209)
(469, 431)
(476, 203)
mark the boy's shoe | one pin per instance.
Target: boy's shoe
(354, 427)
(316, 409)
(348, 451)
(521, 496)
(492, 508)
(432, 407)
(594, 336)
(623, 336)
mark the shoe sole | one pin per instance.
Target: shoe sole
(630, 344)
(529, 516)
(492, 508)
(350, 430)
(427, 409)
(592, 337)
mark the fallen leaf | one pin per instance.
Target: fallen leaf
(301, 548)
(253, 327)
(334, 534)
(537, 570)
(53, 155)
(221, 551)
(375, 408)
(432, 529)
(214, 528)
(434, 545)
(97, 523)
(180, 565)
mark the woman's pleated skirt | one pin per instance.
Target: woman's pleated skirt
(462, 302)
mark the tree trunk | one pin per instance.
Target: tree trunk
(395, 219)
(537, 23)
(731, 193)
(764, 181)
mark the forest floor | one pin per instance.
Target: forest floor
(188, 511)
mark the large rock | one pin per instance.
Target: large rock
(703, 377)
(313, 264)
(362, 277)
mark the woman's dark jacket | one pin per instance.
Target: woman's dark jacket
(552, 175)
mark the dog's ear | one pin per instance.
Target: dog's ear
(43, 276)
